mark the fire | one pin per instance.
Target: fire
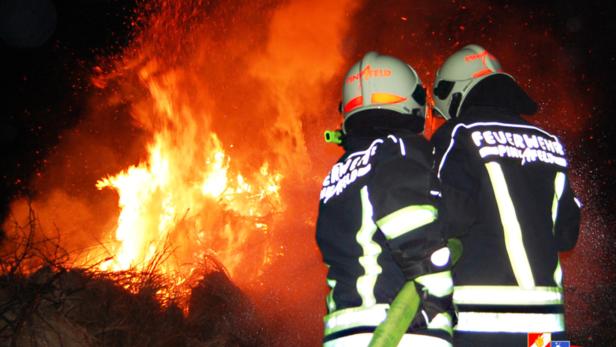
(188, 198)
(200, 146)
(157, 200)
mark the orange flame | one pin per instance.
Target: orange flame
(211, 187)
(188, 187)
(203, 144)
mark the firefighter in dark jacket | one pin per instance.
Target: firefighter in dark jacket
(378, 224)
(508, 200)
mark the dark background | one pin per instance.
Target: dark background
(50, 48)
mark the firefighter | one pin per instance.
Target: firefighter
(508, 201)
(378, 225)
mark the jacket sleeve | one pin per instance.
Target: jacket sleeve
(403, 192)
(567, 226)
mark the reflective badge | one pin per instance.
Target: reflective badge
(440, 257)
(539, 339)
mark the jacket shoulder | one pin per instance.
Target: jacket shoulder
(408, 147)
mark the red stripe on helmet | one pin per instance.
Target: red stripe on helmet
(353, 104)
(481, 73)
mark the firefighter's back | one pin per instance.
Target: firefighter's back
(508, 282)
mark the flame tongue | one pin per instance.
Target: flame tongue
(187, 191)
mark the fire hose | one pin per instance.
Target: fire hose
(401, 313)
(403, 309)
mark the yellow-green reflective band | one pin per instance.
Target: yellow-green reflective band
(511, 227)
(559, 187)
(355, 317)
(331, 304)
(558, 274)
(371, 251)
(577, 202)
(507, 295)
(439, 284)
(559, 184)
(441, 321)
(364, 339)
(510, 322)
(407, 219)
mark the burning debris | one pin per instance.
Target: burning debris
(193, 151)
(71, 307)
(59, 305)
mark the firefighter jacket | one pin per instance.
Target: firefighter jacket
(378, 199)
(508, 200)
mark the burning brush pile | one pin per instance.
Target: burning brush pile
(177, 202)
(58, 305)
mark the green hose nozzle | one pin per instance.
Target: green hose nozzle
(333, 136)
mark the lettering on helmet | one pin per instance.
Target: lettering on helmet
(367, 73)
(520, 145)
(484, 56)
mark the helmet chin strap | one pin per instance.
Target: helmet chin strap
(454, 107)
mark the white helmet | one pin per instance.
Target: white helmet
(459, 74)
(382, 82)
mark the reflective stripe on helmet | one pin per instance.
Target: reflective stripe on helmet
(386, 98)
(507, 295)
(407, 219)
(355, 317)
(376, 98)
(353, 104)
(488, 61)
(510, 322)
(371, 251)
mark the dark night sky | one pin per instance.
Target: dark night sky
(45, 81)
(48, 55)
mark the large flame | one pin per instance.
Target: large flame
(188, 191)
(211, 181)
